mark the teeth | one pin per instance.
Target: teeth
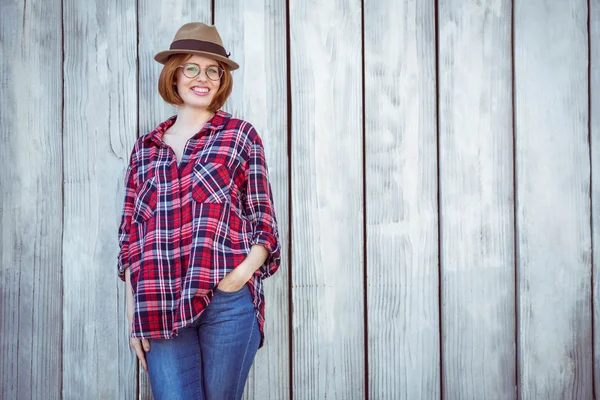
(200, 90)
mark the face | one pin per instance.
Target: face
(199, 91)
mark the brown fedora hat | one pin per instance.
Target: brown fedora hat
(198, 38)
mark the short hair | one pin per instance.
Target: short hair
(168, 89)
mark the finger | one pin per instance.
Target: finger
(137, 346)
(146, 345)
(141, 356)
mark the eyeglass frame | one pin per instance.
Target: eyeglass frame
(221, 71)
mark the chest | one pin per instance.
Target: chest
(177, 144)
(205, 157)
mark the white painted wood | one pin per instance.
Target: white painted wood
(145, 390)
(254, 33)
(99, 131)
(553, 200)
(327, 200)
(476, 200)
(402, 213)
(595, 174)
(31, 200)
(158, 22)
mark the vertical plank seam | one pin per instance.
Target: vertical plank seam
(19, 282)
(589, 82)
(212, 12)
(20, 264)
(25, 13)
(439, 210)
(62, 228)
(33, 310)
(364, 194)
(515, 210)
(16, 380)
(138, 390)
(290, 205)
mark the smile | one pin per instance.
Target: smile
(201, 91)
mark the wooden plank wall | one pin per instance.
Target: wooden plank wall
(401, 201)
(327, 200)
(31, 206)
(434, 166)
(476, 199)
(100, 122)
(553, 199)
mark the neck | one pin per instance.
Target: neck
(190, 120)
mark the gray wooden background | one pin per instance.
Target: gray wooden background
(434, 165)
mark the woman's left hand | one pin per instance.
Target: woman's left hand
(236, 279)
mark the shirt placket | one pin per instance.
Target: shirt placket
(176, 178)
(176, 193)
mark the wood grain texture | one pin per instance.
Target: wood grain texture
(402, 213)
(476, 200)
(145, 390)
(31, 203)
(99, 131)
(553, 200)
(254, 33)
(327, 200)
(158, 22)
(595, 174)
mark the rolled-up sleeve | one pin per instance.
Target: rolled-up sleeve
(128, 205)
(260, 208)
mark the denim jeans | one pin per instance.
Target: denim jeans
(209, 359)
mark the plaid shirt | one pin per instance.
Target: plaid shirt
(185, 227)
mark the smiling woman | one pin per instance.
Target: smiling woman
(198, 232)
(171, 83)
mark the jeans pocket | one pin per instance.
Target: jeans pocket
(243, 289)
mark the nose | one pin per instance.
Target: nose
(201, 76)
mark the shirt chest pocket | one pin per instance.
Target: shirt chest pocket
(145, 201)
(210, 182)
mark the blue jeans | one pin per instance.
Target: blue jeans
(209, 359)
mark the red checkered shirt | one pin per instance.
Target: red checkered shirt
(184, 227)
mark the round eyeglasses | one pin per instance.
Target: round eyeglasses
(191, 70)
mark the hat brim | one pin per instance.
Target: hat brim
(163, 56)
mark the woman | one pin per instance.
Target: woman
(198, 232)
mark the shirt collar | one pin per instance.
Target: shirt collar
(216, 123)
